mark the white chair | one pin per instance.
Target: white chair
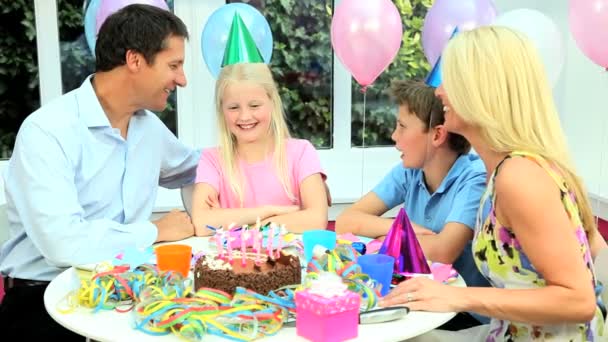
(3, 238)
(601, 272)
(186, 193)
(474, 334)
(3, 224)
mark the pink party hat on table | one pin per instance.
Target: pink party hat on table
(402, 244)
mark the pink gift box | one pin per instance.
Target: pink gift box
(322, 319)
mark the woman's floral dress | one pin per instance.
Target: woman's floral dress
(502, 261)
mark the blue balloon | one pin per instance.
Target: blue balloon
(90, 24)
(217, 28)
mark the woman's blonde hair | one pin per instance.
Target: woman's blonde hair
(495, 81)
(259, 74)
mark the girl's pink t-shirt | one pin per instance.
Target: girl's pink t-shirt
(262, 184)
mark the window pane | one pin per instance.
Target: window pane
(302, 63)
(19, 92)
(410, 63)
(77, 60)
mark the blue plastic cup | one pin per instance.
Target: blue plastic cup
(379, 267)
(311, 238)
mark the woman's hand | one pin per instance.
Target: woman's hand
(423, 294)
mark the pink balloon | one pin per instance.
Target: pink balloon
(366, 36)
(107, 7)
(589, 25)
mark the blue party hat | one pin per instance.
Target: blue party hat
(434, 78)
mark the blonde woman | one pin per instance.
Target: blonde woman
(536, 245)
(257, 171)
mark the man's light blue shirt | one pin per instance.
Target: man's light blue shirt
(455, 200)
(77, 192)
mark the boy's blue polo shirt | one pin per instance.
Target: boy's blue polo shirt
(456, 200)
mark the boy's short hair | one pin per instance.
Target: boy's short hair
(142, 28)
(421, 101)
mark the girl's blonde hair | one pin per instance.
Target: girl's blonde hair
(259, 74)
(495, 81)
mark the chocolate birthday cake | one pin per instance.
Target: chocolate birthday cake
(260, 274)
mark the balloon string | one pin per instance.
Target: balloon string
(429, 137)
(364, 91)
(599, 197)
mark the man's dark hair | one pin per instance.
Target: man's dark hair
(141, 28)
(421, 101)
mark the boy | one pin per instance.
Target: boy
(438, 181)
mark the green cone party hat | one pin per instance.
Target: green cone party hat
(241, 47)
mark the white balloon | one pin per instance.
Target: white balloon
(543, 33)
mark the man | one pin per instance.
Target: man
(83, 177)
(438, 182)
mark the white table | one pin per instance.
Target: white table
(114, 326)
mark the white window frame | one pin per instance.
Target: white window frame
(49, 62)
(345, 166)
(351, 171)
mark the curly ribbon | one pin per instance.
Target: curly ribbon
(342, 261)
(244, 317)
(118, 288)
(163, 303)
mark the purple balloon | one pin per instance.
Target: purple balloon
(108, 7)
(445, 15)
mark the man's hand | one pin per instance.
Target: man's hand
(176, 225)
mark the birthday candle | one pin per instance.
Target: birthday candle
(282, 232)
(229, 240)
(270, 239)
(257, 236)
(254, 240)
(219, 239)
(229, 247)
(244, 237)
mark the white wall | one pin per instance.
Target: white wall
(579, 95)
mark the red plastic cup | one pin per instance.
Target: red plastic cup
(174, 258)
